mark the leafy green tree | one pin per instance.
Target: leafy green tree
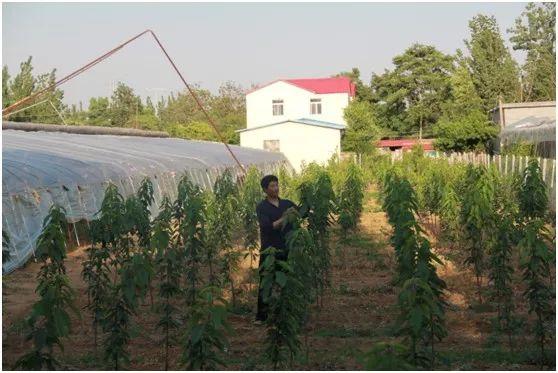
(362, 129)
(464, 98)
(410, 97)
(99, 113)
(25, 84)
(49, 320)
(363, 92)
(193, 130)
(6, 91)
(124, 105)
(468, 133)
(464, 126)
(535, 33)
(492, 67)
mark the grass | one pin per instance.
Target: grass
(462, 358)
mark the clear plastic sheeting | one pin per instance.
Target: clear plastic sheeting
(531, 129)
(539, 131)
(73, 171)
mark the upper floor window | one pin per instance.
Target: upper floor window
(315, 106)
(277, 107)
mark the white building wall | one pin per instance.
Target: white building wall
(296, 105)
(298, 142)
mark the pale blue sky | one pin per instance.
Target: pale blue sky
(212, 43)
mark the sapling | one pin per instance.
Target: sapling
(317, 205)
(533, 198)
(192, 235)
(221, 225)
(284, 294)
(536, 263)
(421, 298)
(449, 214)
(477, 216)
(105, 232)
(501, 256)
(49, 319)
(205, 339)
(350, 199)
(6, 253)
(169, 271)
(536, 255)
(251, 195)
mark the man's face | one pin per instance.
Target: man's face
(272, 190)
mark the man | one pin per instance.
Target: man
(271, 216)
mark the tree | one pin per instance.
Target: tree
(535, 33)
(362, 128)
(6, 91)
(49, 320)
(493, 70)
(363, 92)
(410, 97)
(98, 113)
(468, 133)
(124, 106)
(464, 98)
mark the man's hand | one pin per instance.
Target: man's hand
(279, 223)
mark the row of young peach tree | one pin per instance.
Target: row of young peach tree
(498, 224)
(182, 261)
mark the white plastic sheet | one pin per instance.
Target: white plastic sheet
(42, 168)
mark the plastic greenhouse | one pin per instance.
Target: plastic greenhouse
(73, 170)
(539, 131)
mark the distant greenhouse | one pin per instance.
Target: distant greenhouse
(73, 170)
(539, 131)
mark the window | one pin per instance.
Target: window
(277, 107)
(315, 106)
(271, 145)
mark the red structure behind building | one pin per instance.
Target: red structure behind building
(405, 144)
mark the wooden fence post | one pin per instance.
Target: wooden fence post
(543, 168)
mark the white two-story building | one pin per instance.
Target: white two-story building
(302, 118)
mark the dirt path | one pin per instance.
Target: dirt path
(359, 310)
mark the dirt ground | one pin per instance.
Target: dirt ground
(359, 310)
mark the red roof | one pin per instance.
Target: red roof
(340, 84)
(427, 144)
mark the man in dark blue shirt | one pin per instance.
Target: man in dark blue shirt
(271, 216)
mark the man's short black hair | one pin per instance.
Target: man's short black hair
(268, 179)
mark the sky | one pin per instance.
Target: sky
(211, 43)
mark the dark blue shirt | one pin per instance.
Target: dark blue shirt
(267, 214)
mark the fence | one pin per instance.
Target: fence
(506, 164)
